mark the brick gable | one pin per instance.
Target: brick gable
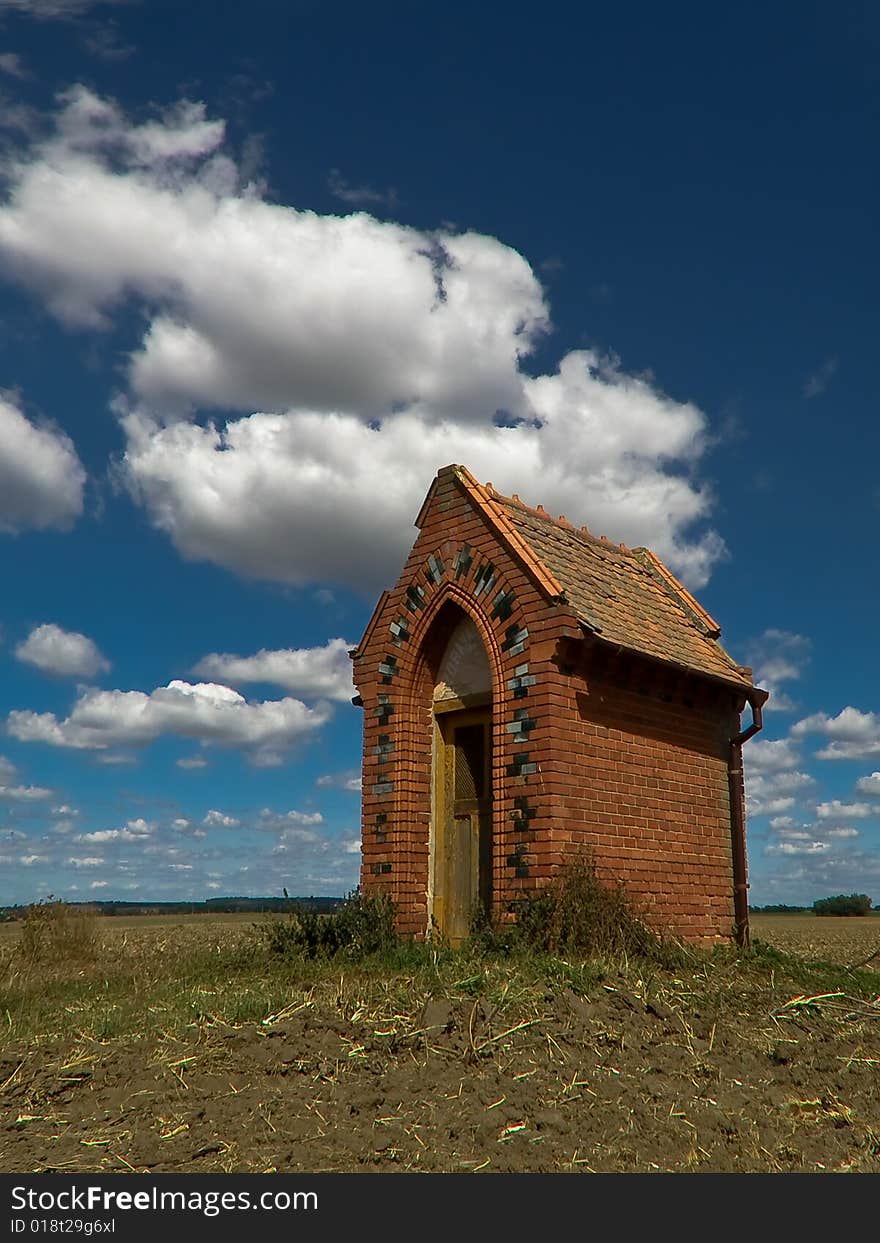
(612, 733)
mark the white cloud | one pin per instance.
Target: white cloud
(7, 769)
(218, 820)
(359, 195)
(779, 656)
(266, 758)
(869, 785)
(795, 834)
(11, 63)
(315, 327)
(817, 383)
(182, 825)
(348, 780)
(65, 810)
(771, 756)
(63, 652)
(775, 793)
(25, 794)
(229, 494)
(41, 477)
(853, 733)
(99, 884)
(310, 672)
(835, 810)
(796, 848)
(89, 861)
(30, 861)
(207, 712)
(48, 10)
(138, 830)
(192, 762)
(773, 781)
(843, 833)
(291, 825)
(768, 804)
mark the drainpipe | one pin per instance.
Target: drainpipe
(756, 699)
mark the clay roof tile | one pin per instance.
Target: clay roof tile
(626, 596)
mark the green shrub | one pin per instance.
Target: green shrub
(362, 926)
(844, 904)
(577, 913)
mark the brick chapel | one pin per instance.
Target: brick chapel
(530, 689)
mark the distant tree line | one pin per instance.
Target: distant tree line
(844, 904)
(840, 904)
(233, 906)
(778, 908)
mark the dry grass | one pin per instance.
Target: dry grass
(839, 939)
(54, 936)
(187, 1047)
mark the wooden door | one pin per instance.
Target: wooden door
(463, 821)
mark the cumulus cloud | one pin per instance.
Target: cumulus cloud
(41, 476)
(771, 756)
(348, 780)
(204, 711)
(65, 653)
(138, 830)
(219, 820)
(289, 821)
(312, 672)
(192, 762)
(836, 810)
(230, 494)
(783, 823)
(25, 794)
(816, 383)
(779, 656)
(357, 350)
(853, 733)
(360, 196)
(12, 64)
(54, 10)
(869, 785)
(7, 769)
(773, 780)
(796, 848)
(296, 830)
(818, 873)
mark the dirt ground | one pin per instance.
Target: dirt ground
(705, 1069)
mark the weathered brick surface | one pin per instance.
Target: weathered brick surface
(615, 753)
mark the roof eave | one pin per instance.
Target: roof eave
(752, 693)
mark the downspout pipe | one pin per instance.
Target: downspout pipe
(756, 699)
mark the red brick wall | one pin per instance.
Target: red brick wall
(621, 758)
(635, 766)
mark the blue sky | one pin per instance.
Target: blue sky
(263, 270)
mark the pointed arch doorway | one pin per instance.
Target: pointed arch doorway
(461, 822)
